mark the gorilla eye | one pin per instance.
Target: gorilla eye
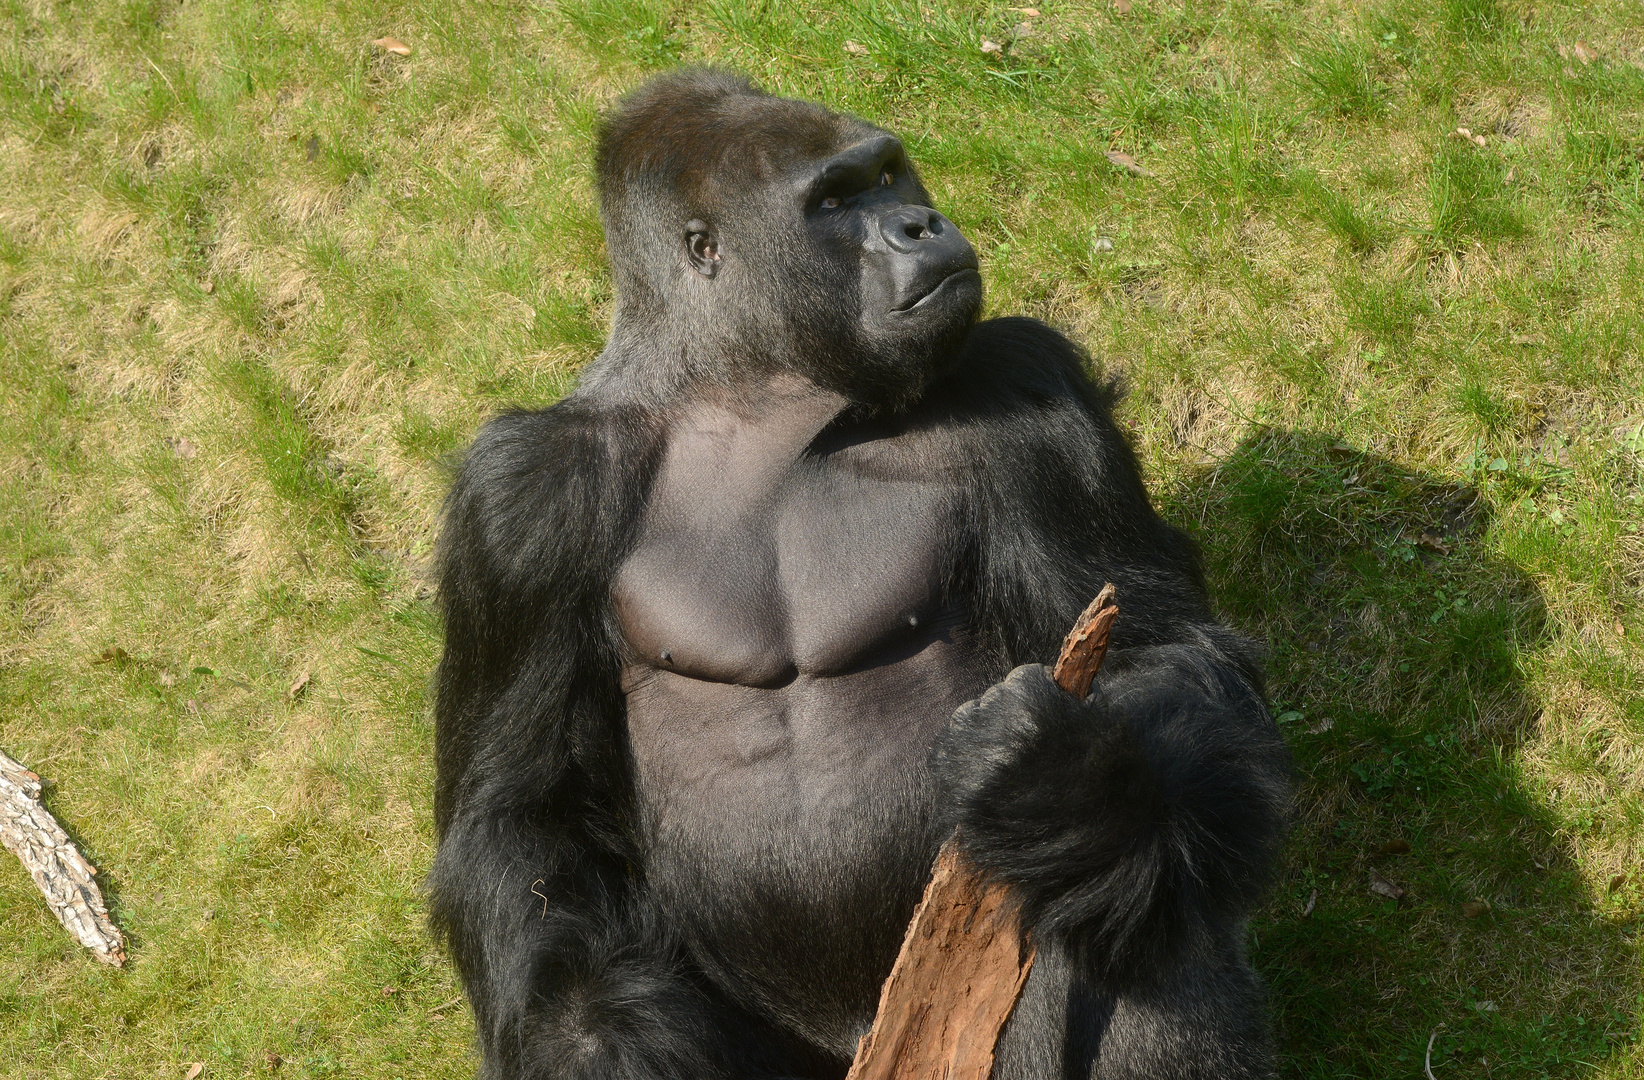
(830, 202)
(886, 179)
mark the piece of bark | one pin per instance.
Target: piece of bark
(56, 865)
(963, 960)
(956, 979)
(1086, 644)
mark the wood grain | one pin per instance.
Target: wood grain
(61, 873)
(963, 961)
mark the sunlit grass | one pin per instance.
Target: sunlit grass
(261, 281)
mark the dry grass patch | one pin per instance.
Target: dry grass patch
(260, 280)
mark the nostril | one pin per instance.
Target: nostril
(917, 230)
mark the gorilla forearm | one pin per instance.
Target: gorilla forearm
(567, 976)
(1134, 825)
(532, 888)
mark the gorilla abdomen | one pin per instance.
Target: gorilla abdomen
(792, 657)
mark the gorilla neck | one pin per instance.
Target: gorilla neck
(649, 362)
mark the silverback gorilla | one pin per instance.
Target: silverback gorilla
(742, 628)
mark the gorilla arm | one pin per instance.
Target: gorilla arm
(1138, 825)
(566, 970)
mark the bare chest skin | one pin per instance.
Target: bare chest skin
(784, 608)
(791, 656)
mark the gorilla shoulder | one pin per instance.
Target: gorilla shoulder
(1021, 359)
(533, 488)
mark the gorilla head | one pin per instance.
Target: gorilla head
(749, 232)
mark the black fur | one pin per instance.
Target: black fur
(1137, 826)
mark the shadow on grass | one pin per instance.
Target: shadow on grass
(1396, 659)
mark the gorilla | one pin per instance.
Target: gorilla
(743, 627)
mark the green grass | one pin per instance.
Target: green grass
(259, 281)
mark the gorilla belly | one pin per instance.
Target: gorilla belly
(789, 830)
(792, 655)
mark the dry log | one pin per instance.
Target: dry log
(56, 865)
(963, 960)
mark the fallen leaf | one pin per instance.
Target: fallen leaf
(1126, 162)
(1122, 6)
(1487, 1006)
(1620, 630)
(1030, 12)
(298, 685)
(183, 448)
(311, 149)
(1394, 847)
(855, 48)
(1583, 52)
(1322, 726)
(1617, 881)
(115, 655)
(1511, 173)
(1466, 133)
(1312, 902)
(1474, 908)
(166, 678)
(273, 1061)
(392, 45)
(1382, 887)
(390, 991)
(1433, 543)
(1101, 243)
(992, 46)
(1022, 29)
(194, 1070)
(192, 706)
(1479, 140)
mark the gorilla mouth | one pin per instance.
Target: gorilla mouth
(920, 300)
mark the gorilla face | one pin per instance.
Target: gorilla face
(875, 286)
(805, 241)
(917, 276)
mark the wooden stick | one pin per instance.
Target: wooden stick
(29, 831)
(963, 961)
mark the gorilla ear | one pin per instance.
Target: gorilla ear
(701, 247)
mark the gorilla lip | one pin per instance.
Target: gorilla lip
(934, 289)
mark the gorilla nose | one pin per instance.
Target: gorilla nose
(908, 227)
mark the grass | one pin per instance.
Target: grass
(259, 281)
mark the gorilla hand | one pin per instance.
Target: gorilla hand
(1057, 798)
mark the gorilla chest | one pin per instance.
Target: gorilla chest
(763, 557)
(784, 608)
(791, 656)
